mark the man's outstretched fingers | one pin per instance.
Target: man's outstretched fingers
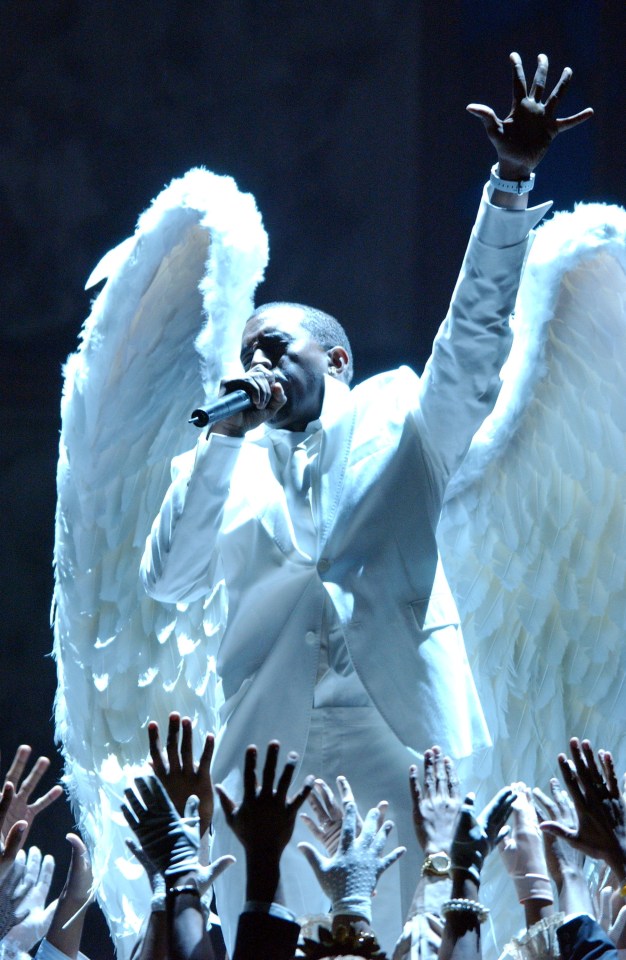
(269, 767)
(538, 85)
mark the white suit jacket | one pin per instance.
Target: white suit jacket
(389, 447)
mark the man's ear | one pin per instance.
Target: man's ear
(337, 362)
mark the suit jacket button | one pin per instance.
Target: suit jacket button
(323, 565)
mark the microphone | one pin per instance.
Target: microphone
(235, 402)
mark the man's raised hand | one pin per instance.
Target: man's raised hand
(177, 770)
(436, 803)
(19, 809)
(523, 137)
(600, 808)
(265, 819)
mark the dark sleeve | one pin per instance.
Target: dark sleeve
(261, 936)
(584, 939)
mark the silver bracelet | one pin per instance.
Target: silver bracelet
(460, 905)
(185, 888)
(520, 187)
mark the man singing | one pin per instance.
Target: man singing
(320, 508)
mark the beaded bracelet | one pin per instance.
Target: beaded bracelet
(460, 905)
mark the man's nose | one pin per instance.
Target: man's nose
(259, 358)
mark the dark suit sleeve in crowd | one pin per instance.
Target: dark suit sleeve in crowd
(582, 938)
(260, 936)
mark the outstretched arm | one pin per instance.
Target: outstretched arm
(592, 784)
(475, 837)
(263, 822)
(461, 382)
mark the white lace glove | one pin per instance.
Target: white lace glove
(350, 876)
(171, 843)
(38, 873)
(522, 851)
(13, 891)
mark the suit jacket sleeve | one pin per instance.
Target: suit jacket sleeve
(582, 938)
(178, 556)
(261, 936)
(461, 380)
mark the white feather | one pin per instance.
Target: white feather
(161, 334)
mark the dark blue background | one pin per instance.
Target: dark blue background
(345, 119)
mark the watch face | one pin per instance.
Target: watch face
(440, 862)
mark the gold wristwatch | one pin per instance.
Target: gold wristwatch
(436, 865)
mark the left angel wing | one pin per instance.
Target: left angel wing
(164, 330)
(533, 532)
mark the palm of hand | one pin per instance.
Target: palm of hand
(181, 784)
(436, 805)
(524, 136)
(176, 769)
(603, 830)
(270, 811)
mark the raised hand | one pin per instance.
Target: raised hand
(14, 889)
(435, 804)
(37, 876)
(170, 843)
(561, 857)
(177, 770)
(11, 839)
(523, 137)
(522, 850)
(350, 876)
(20, 808)
(329, 813)
(599, 805)
(476, 835)
(265, 819)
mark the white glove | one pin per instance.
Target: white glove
(522, 851)
(350, 876)
(38, 873)
(13, 891)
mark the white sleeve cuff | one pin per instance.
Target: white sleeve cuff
(47, 951)
(501, 227)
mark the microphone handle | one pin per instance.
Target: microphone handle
(226, 406)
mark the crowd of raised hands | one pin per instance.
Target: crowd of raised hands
(565, 853)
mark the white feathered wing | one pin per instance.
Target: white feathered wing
(162, 332)
(533, 532)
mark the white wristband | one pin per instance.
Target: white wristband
(533, 886)
(353, 906)
(520, 187)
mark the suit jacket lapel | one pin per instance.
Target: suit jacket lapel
(338, 420)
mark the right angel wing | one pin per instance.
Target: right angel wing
(533, 532)
(161, 334)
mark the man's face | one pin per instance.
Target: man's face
(275, 339)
